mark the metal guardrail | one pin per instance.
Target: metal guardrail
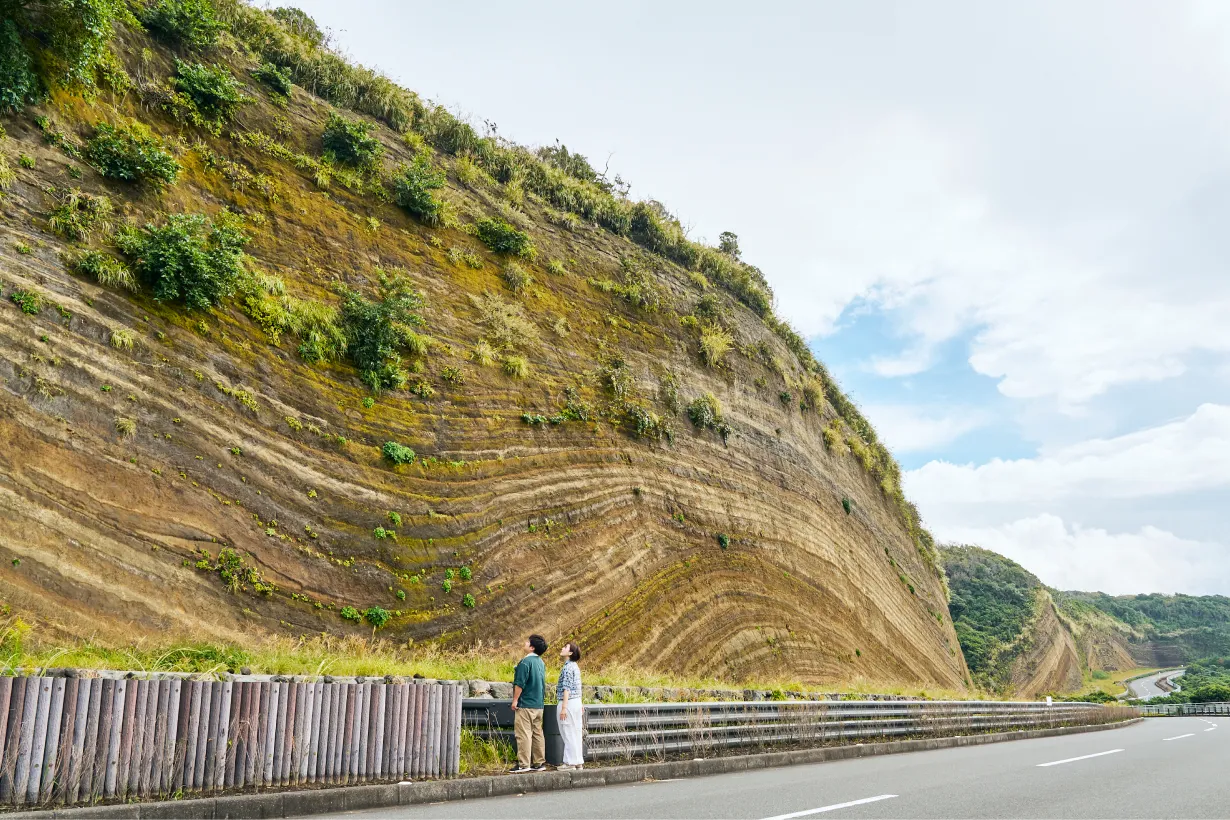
(78, 740)
(632, 731)
(1173, 709)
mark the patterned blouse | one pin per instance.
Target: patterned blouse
(570, 681)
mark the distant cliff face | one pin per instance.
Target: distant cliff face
(1016, 638)
(606, 443)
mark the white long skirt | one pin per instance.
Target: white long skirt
(570, 730)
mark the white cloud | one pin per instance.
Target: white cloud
(1189, 455)
(1075, 557)
(910, 429)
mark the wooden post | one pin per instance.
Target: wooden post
(203, 779)
(418, 736)
(190, 734)
(12, 740)
(8, 731)
(176, 709)
(21, 773)
(320, 743)
(348, 731)
(38, 745)
(457, 714)
(324, 766)
(281, 737)
(222, 741)
(234, 753)
(76, 758)
(242, 747)
(64, 741)
(51, 744)
(341, 694)
(393, 767)
(261, 719)
(148, 739)
(271, 733)
(362, 725)
(94, 778)
(303, 758)
(130, 753)
(157, 749)
(112, 760)
(6, 694)
(381, 733)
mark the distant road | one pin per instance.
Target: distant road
(1147, 687)
(1161, 767)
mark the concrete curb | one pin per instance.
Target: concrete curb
(353, 798)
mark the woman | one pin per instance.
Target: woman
(568, 695)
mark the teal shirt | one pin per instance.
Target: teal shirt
(531, 676)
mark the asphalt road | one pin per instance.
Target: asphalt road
(1147, 687)
(1161, 767)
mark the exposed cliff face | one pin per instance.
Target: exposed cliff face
(1017, 638)
(136, 434)
(1061, 649)
(1050, 660)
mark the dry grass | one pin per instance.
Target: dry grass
(356, 655)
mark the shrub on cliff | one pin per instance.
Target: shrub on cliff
(413, 187)
(130, 153)
(274, 78)
(351, 142)
(189, 23)
(377, 330)
(504, 238)
(188, 259)
(215, 95)
(398, 453)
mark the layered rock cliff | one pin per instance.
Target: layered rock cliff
(608, 442)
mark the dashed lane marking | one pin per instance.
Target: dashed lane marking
(1074, 759)
(833, 807)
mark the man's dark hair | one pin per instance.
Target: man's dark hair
(574, 652)
(538, 643)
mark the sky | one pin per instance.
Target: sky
(1004, 227)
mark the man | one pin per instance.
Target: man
(529, 682)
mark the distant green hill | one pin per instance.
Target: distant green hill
(1193, 626)
(992, 602)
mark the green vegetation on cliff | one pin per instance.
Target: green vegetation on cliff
(991, 604)
(234, 245)
(1195, 625)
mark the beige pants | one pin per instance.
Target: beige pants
(528, 725)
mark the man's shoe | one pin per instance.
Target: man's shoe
(539, 768)
(520, 770)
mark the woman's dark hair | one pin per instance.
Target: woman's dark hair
(574, 652)
(538, 643)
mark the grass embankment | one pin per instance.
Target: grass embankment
(20, 648)
(1115, 683)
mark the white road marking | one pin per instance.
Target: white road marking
(1179, 737)
(1074, 759)
(833, 807)
(1211, 728)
